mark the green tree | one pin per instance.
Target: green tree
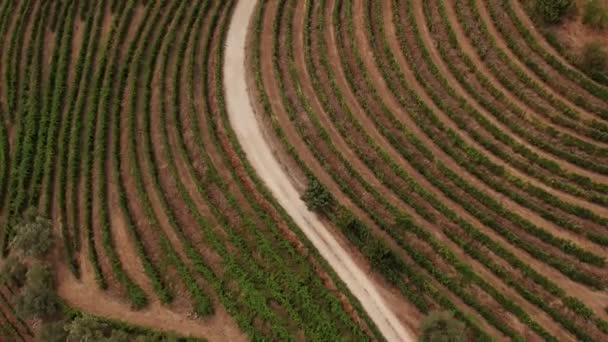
(40, 276)
(85, 328)
(38, 300)
(442, 327)
(34, 237)
(317, 197)
(553, 11)
(37, 303)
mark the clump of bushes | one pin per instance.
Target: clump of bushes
(594, 58)
(38, 299)
(595, 13)
(442, 327)
(87, 328)
(317, 197)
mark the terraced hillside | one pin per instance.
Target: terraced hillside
(114, 125)
(306, 170)
(459, 144)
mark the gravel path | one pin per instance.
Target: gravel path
(259, 153)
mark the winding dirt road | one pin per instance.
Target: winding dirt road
(259, 153)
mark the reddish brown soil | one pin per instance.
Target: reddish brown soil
(76, 46)
(48, 47)
(86, 296)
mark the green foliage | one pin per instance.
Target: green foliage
(39, 276)
(13, 272)
(442, 327)
(85, 328)
(38, 300)
(34, 237)
(594, 57)
(553, 11)
(595, 13)
(317, 197)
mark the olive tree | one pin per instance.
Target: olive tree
(38, 300)
(85, 328)
(33, 237)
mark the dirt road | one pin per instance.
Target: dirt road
(258, 151)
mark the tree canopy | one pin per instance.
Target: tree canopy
(34, 237)
(317, 197)
(38, 299)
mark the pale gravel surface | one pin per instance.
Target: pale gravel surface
(259, 153)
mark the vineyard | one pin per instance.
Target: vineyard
(317, 170)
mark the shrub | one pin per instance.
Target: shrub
(317, 197)
(39, 276)
(85, 328)
(34, 237)
(594, 57)
(13, 272)
(553, 11)
(595, 13)
(38, 300)
(442, 327)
